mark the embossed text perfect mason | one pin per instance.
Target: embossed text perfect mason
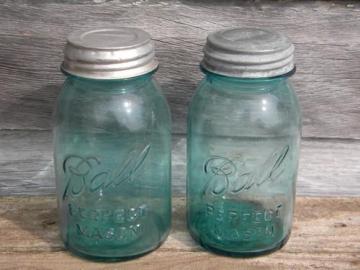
(112, 146)
(243, 143)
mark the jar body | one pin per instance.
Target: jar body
(112, 162)
(243, 148)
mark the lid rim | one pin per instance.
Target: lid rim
(288, 74)
(106, 75)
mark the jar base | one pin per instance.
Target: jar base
(243, 254)
(108, 259)
(111, 259)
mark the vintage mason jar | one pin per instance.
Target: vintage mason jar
(243, 144)
(112, 146)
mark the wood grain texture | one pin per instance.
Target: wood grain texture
(326, 35)
(326, 235)
(327, 167)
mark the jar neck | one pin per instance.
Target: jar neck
(112, 84)
(246, 84)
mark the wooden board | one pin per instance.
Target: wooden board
(326, 235)
(326, 35)
(327, 167)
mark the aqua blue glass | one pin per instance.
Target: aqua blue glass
(243, 150)
(112, 161)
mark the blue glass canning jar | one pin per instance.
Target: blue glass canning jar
(112, 146)
(244, 130)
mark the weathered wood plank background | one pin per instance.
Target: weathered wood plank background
(326, 35)
(327, 39)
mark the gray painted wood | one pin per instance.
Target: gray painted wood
(326, 34)
(327, 39)
(327, 166)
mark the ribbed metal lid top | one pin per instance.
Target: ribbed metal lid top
(111, 53)
(248, 53)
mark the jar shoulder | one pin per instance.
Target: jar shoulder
(261, 108)
(210, 96)
(139, 104)
(282, 89)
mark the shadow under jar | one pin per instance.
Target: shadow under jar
(244, 130)
(112, 146)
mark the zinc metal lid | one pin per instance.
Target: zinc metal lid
(248, 53)
(110, 53)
